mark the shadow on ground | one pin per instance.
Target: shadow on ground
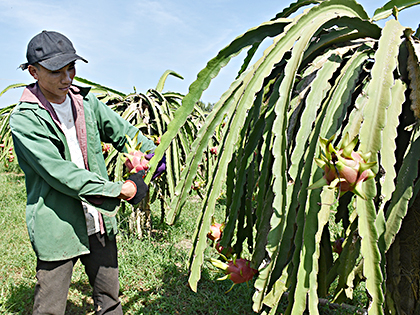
(176, 297)
(21, 300)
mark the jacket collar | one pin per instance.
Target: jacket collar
(32, 94)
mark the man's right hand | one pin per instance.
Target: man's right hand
(134, 188)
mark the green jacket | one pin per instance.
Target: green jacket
(56, 186)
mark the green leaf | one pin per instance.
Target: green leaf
(309, 256)
(389, 147)
(205, 76)
(199, 145)
(328, 64)
(341, 31)
(413, 47)
(379, 92)
(97, 85)
(245, 158)
(344, 266)
(387, 9)
(162, 80)
(404, 190)
(370, 251)
(13, 86)
(294, 7)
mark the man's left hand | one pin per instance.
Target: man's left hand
(161, 165)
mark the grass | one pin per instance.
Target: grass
(153, 270)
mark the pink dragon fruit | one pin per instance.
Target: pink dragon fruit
(216, 230)
(338, 245)
(225, 251)
(157, 141)
(343, 168)
(106, 147)
(135, 160)
(238, 270)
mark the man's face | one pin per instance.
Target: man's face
(54, 84)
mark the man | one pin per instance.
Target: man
(57, 130)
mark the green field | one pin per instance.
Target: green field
(153, 270)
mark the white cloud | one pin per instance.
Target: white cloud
(160, 14)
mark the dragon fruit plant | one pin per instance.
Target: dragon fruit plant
(237, 269)
(344, 168)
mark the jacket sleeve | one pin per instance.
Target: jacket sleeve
(113, 128)
(42, 153)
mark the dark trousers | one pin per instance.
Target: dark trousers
(101, 266)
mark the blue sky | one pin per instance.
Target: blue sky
(132, 43)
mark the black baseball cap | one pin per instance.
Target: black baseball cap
(51, 50)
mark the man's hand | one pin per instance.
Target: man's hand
(161, 165)
(134, 189)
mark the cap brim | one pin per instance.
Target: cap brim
(60, 61)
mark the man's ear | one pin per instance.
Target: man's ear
(33, 71)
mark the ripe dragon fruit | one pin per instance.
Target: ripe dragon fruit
(135, 160)
(157, 141)
(213, 150)
(338, 245)
(238, 270)
(225, 251)
(343, 168)
(106, 147)
(216, 230)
